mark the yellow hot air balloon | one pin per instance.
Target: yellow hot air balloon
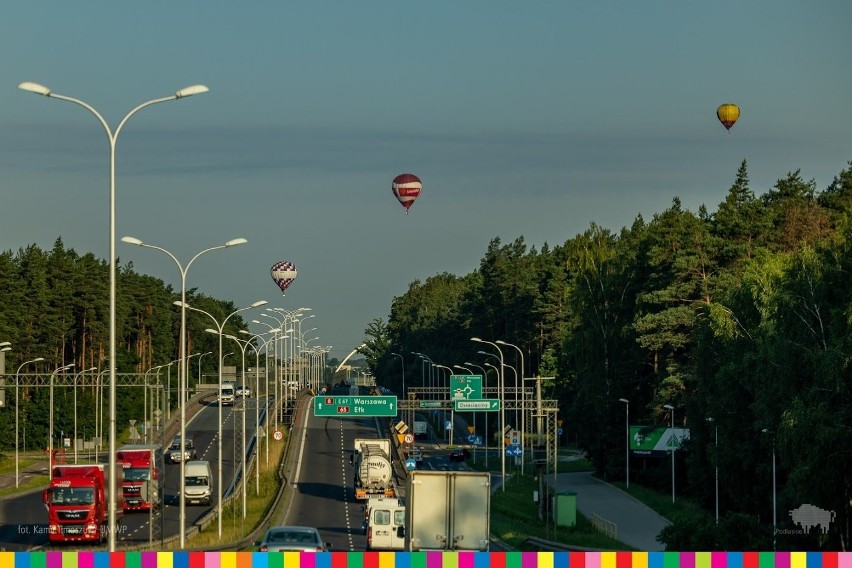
(728, 114)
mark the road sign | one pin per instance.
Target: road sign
(477, 440)
(471, 439)
(513, 450)
(448, 425)
(465, 387)
(431, 404)
(410, 464)
(559, 431)
(409, 439)
(354, 406)
(482, 405)
(278, 435)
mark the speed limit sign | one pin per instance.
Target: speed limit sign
(409, 439)
(278, 435)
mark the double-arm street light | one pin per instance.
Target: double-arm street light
(17, 408)
(259, 338)
(50, 428)
(672, 442)
(502, 380)
(182, 382)
(220, 327)
(402, 367)
(77, 376)
(112, 137)
(520, 381)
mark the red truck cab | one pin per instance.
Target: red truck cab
(140, 487)
(76, 502)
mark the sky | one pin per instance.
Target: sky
(522, 119)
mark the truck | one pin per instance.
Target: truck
(385, 524)
(420, 430)
(141, 484)
(373, 468)
(448, 510)
(77, 503)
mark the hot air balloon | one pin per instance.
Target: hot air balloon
(406, 188)
(283, 273)
(728, 114)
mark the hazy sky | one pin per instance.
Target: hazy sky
(528, 119)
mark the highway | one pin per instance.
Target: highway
(23, 517)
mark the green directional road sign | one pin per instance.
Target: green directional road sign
(431, 404)
(465, 387)
(354, 406)
(483, 405)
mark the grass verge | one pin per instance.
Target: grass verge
(235, 526)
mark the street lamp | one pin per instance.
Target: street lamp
(182, 382)
(523, 399)
(112, 137)
(502, 379)
(673, 441)
(402, 366)
(77, 376)
(50, 428)
(627, 438)
(716, 459)
(17, 408)
(243, 344)
(219, 331)
(199, 365)
(451, 432)
(259, 337)
(774, 509)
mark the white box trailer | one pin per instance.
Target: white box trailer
(448, 510)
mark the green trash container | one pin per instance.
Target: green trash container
(565, 509)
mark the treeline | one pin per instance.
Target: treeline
(742, 315)
(55, 305)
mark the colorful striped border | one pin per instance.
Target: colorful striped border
(426, 560)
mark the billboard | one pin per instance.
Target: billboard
(656, 441)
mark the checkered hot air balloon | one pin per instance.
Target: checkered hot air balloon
(283, 273)
(406, 188)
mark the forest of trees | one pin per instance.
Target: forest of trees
(742, 315)
(56, 306)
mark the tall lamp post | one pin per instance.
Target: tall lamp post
(774, 509)
(451, 433)
(77, 376)
(673, 442)
(259, 338)
(627, 438)
(113, 138)
(199, 364)
(402, 366)
(716, 460)
(50, 428)
(523, 384)
(17, 408)
(182, 382)
(501, 376)
(219, 331)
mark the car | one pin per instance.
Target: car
(459, 454)
(292, 538)
(174, 455)
(417, 455)
(243, 391)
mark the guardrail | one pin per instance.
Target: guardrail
(609, 528)
(549, 545)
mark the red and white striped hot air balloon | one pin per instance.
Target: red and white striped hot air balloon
(406, 188)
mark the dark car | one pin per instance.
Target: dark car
(459, 454)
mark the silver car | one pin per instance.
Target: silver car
(292, 538)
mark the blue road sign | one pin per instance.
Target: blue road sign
(513, 450)
(410, 464)
(471, 439)
(448, 425)
(559, 431)
(477, 440)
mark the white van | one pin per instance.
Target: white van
(226, 395)
(385, 524)
(198, 482)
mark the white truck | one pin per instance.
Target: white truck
(448, 510)
(385, 524)
(227, 394)
(373, 468)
